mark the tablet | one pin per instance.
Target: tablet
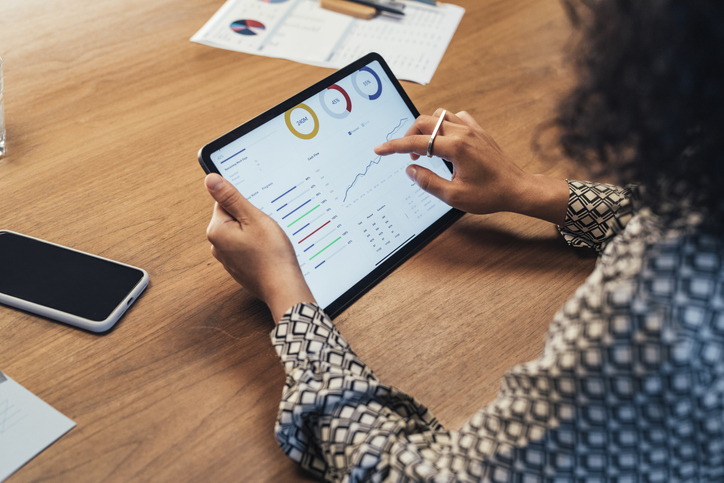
(352, 216)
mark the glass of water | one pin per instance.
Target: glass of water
(2, 112)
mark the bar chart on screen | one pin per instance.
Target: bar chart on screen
(315, 230)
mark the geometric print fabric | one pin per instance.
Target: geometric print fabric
(630, 385)
(596, 213)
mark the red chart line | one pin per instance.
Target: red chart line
(315, 231)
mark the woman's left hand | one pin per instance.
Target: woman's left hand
(254, 249)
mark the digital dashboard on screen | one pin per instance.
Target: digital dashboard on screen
(309, 164)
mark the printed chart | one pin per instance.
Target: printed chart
(303, 31)
(247, 27)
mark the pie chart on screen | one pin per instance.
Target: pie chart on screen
(247, 27)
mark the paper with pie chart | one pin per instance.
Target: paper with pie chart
(314, 171)
(302, 31)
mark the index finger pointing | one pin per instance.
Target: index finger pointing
(416, 144)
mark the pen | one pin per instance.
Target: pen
(427, 2)
(379, 6)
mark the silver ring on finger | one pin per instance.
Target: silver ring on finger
(434, 133)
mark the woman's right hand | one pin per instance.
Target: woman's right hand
(485, 179)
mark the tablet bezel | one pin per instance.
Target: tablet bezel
(396, 258)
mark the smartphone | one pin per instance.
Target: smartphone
(64, 284)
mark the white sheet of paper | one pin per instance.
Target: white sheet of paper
(302, 31)
(28, 425)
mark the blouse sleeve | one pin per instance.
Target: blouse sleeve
(338, 421)
(336, 418)
(596, 213)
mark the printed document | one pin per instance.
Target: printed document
(302, 31)
(28, 425)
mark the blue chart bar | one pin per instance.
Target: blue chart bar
(302, 228)
(295, 209)
(233, 156)
(310, 246)
(286, 193)
(320, 264)
(281, 206)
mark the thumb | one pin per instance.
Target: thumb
(227, 196)
(429, 181)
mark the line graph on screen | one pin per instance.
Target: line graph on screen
(376, 160)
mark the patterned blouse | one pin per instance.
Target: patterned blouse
(629, 388)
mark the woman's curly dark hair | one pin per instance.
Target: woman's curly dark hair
(649, 103)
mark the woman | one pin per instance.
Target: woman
(630, 386)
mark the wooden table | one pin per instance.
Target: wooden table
(107, 103)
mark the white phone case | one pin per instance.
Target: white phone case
(71, 319)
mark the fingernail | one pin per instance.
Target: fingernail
(216, 183)
(411, 172)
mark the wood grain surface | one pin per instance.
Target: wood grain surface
(107, 103)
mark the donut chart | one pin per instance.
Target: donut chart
(335, 99)
(247, 27)
(356, 81)
(302, 120)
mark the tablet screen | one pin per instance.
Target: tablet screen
(312, 168)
